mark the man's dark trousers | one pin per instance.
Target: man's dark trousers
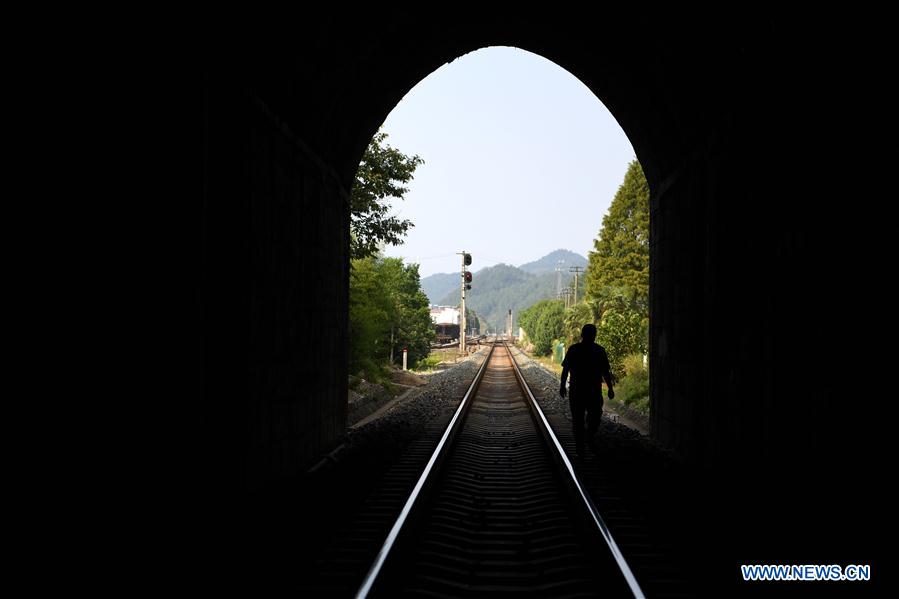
(591, 403)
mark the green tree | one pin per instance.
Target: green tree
(370, 317)
(410, 319)
(388, 312)
(543, 322)
(382, 174)
(620, 257)
(617, 279)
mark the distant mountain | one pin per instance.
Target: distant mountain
(436, 286)
(549, 262)
(498, 288)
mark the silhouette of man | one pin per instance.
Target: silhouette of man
(588, 364)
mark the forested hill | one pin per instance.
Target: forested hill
(497, 288)
(549, 262)
(437, 286)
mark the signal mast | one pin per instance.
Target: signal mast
(466, 284)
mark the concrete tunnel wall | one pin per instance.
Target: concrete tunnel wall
(738, 276)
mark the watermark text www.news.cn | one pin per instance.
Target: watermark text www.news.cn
(806, 572)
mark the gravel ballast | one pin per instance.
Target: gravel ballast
(437, 399)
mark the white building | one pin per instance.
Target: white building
(445, 315)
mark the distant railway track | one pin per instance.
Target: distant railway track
(499, 509)
(445, 345)
(455, 343)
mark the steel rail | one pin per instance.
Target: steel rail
(543, 423)
(429, 469)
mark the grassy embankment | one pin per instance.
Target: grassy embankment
(447, 355)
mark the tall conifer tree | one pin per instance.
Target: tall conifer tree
(621, 253)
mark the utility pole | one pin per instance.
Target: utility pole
(559, 278)
(576, 270)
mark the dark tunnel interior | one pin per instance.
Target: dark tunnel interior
(753, 133)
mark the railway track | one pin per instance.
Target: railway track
(499, 509)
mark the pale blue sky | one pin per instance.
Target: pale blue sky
(520, 159)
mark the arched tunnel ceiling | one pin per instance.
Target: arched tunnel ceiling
(664, 86)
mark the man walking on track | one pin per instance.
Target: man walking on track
(588, 364)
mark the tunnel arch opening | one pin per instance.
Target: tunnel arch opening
(522, 133)
(673, 133)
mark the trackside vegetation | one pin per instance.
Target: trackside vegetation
(615, 298)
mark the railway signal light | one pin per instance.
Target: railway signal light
(466, 284)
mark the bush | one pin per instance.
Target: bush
(633, 389)
(619, 331)
(428, 363)
(633, 364)
(641, 405)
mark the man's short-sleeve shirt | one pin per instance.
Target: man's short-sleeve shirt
(586, 362)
